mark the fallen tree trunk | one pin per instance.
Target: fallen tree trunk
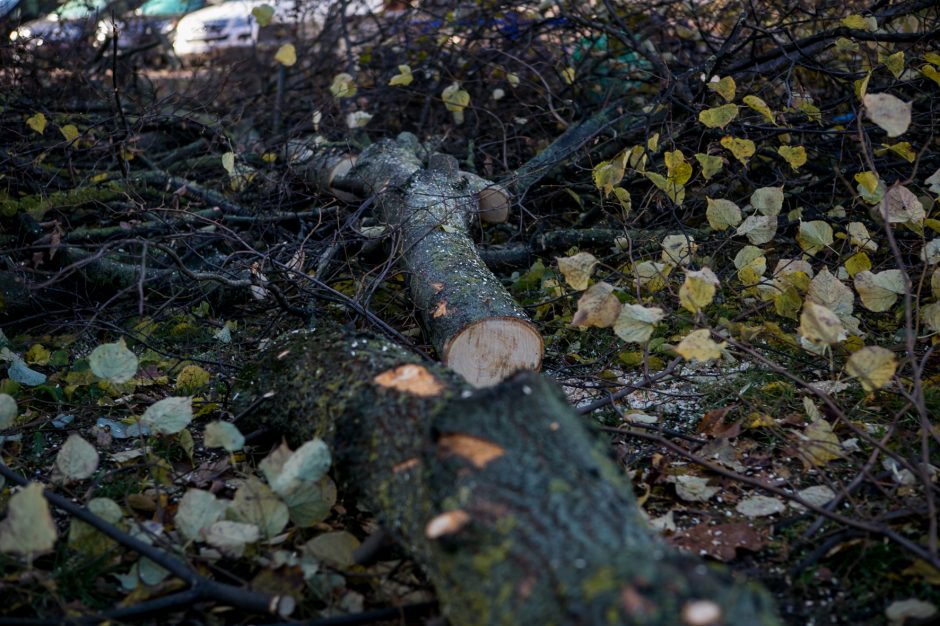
(515, 514)
(473, 322)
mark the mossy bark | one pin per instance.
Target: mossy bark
(429, 208)
(515, 512)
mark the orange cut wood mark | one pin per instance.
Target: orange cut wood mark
(404, 466)
(441, 309)
(410, 378)
(477, 451)
(446, 523)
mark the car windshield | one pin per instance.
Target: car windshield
(78, 9)
(170, 7)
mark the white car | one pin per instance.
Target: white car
(232, 25)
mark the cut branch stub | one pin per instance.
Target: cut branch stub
(471, 319)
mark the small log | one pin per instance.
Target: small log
(472, 321)
(514, 511)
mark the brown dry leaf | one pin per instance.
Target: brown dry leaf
(721, 541)
(478, 451)
(820, 325)
(900, 206)
(446, 523)
(410, 378)
(878, 292)
(598, 307)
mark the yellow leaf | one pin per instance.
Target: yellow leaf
(811, 111)
(37, 122)
(679, 171)
(878, 292)
(858, 262)
(889, 112)
(28, 528)
(931, 316)
(931, 72)
(651, 275)
(699, 346)
(344, 86)
(577, 269)
(742, 149)
(710, 165)
(598, 306)
(820, 445)
(455, 100)
(761, 107)
(403, 78)
(861, 86)
(830, 292)
(895, 63)
(859, 237)
(722, 214)
(814, 236)
(286, 55)
(932, 57)
(718, 117)
(228, 163)
(820, 325)
(873, 366)
(608, 174)
(70, 132)
(767, 200)
(678, 249)
(636, 322)
(759, 229)
(724, 87)
(857, 22)
(623, 197)
(868, 180)
(568, 75)
(844, 44)
(674, 192)
(513, 79)
(794, 155)
(698, 290)
(903, 149)
(263, 14)
(269, 157)
(751, 264)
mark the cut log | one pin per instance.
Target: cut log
(515, 513)
(472, 321)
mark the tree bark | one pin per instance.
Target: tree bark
(516, 515)
(473, 322)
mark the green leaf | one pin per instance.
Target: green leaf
(710, 165)
(263, 14)
(344, 86)
(814, 236)
(223, 435)
(718, 117)
(113, 362)
(70, 132)
(168, 416)
(335, 549)
(197, 511)
(722, 214)
(191, 379)
(37, 122)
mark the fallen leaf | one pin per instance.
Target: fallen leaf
(28, 528)
(698, 346)
(720, 541)
(722, 214)
(577, 269)
(767, 200)
(889, 112)
(759, 506)
(698, 289)
(873, 366)
(598, 307)
(694, 488)
(636, 322)
(878, 292)
(77, 459)
(759, 229)
(820, 325)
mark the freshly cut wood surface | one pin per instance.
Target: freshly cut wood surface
(488, 351)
